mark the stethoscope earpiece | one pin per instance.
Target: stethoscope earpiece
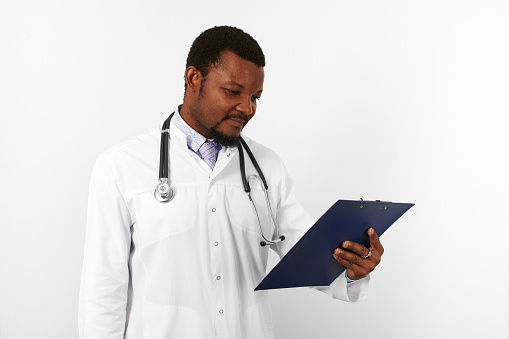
(263, 243)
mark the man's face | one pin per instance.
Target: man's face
(226, 98)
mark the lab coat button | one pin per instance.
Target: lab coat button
(218, 277)
(221, 311)
(214, 209)
(216, 243)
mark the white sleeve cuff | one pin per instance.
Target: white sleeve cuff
(342, 289)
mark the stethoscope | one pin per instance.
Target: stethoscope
(164, 192)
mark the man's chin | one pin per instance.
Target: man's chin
(224, 139)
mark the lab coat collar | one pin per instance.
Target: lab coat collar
(225, 155)
(178, 136)
(194, 139)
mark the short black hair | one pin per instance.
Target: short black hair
(208, 46)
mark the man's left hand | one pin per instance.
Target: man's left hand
(359, 260)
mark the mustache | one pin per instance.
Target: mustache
(236, 116)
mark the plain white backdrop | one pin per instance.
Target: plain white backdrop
(396, 100)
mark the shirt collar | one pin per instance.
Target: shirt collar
(194, 139)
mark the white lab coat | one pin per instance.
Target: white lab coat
(187, 268)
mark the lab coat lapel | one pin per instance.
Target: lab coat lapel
(224, 157)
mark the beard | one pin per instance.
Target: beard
(224, 139)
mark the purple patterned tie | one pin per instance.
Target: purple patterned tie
(208, 153)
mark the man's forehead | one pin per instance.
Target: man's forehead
(237, 71)
(229, 59)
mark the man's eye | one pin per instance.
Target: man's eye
(231, 92)
(255, 98)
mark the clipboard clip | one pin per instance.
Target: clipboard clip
(362, 206)
(375, 200)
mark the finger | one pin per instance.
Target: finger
(365, 265)
(356, 248)
(354, 271)
(348, 256)
(343, 261)
(374, 241)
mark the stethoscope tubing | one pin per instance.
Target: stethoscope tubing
(164, 193)
(247, 188)
(165, 136)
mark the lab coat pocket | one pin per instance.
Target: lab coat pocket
(156, 221)
(164, 321)
(246, 216)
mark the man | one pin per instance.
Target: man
(188, 268)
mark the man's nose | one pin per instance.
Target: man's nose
(246, 106)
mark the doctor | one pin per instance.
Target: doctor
(188, 268)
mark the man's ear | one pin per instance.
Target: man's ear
(193, 79)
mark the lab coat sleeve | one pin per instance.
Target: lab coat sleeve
(354, 291)
(294, 221)
(105, 273)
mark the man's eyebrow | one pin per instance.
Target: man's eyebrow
(240, 86)
(236, 84)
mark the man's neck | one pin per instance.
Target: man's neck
(187, 116)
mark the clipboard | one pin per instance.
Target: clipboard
(310, 262)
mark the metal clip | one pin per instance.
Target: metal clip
(375, 200)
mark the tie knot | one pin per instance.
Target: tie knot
(208, 152)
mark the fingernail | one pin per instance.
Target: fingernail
(346, 244)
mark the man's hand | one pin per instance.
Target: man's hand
(357, 259)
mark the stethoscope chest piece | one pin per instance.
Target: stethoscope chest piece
(163, 191)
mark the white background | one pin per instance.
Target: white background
(395, 100)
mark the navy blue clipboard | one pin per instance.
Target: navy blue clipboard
(310, 263)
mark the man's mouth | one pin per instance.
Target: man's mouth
(237, 121)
